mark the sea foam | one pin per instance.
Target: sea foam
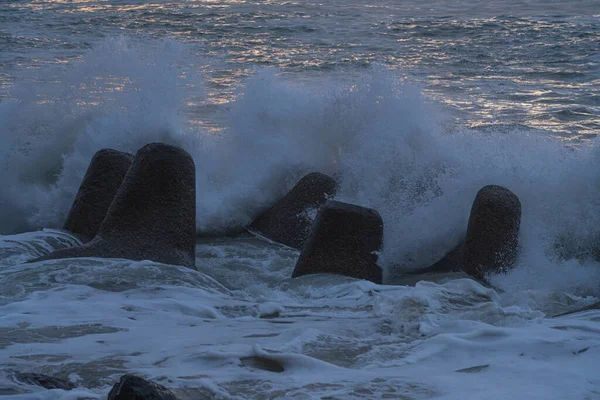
(392, 148)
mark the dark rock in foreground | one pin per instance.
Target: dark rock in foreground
(493, 232)
(45, 381)
(153, 214)
(344, 240)
(96, 192)
(289, 221)
(131, 387)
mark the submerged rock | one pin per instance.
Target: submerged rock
(289, 220)
(493, 232)
(264, 363)
(344, 240)
(45, 381)
(594, 306)
(131, 387)
(153, 214)
(96, 192)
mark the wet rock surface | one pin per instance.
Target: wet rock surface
(45, 381)
(492, 238)
(263, 363)
(493, 232)
(131, 387)
(289, 221)
(98, 188)
(344, 240)
(153, 214)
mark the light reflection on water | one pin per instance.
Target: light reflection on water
(537, 66)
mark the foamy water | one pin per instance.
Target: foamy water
(90, 320)
(413, 110)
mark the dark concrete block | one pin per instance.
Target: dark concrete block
(344, 240)
(288, 221)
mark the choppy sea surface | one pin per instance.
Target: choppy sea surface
(414, 105)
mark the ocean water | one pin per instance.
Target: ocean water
(414, 105)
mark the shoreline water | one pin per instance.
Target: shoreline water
(414, 107)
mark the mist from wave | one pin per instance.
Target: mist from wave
(391, 148)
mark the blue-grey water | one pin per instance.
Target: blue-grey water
(529, 63)
(414, 105)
